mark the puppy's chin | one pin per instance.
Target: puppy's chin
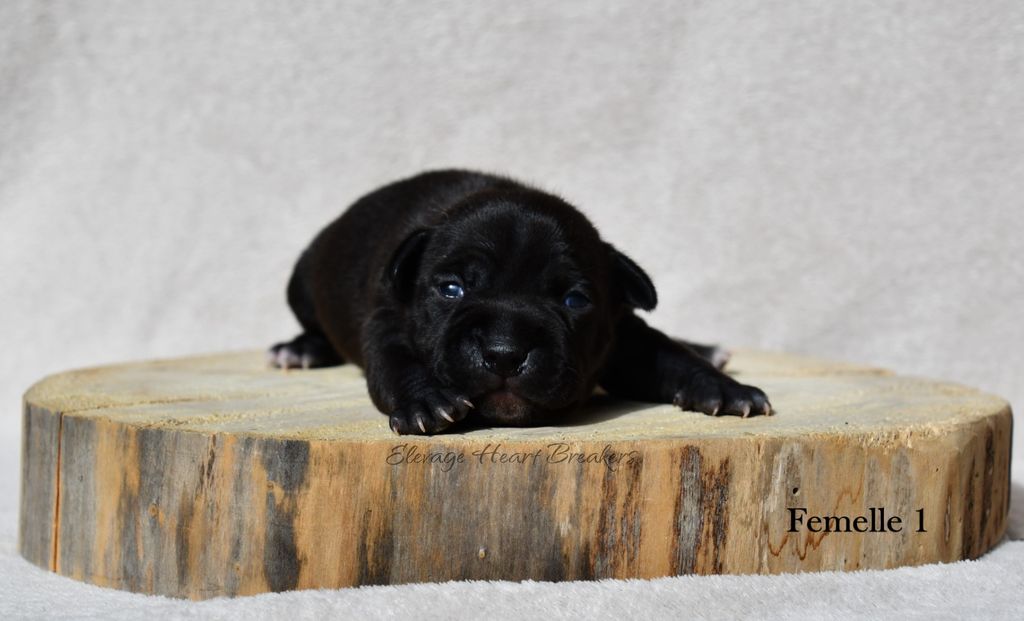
(507, 408)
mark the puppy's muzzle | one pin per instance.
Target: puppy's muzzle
(504, 357)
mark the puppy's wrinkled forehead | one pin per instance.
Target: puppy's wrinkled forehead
(516, 244)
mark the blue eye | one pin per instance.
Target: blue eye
(576, 300)
(451, 290)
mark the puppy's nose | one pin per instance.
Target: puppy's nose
(504, 359)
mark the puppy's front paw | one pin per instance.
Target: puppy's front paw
(720, 394)
(429, 411)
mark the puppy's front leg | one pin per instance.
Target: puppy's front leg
(400, 384)
(649, 366)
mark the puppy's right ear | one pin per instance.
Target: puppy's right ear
(405, 263)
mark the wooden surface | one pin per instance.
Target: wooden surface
(214, 476)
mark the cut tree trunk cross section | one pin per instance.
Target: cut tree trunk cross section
(216, 476)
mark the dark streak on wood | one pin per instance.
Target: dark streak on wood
(531, 522)
(605, 534)
(632, 519)
(967, 516)
(702, 519)
(903, 490)
(280, 555)
(181, 538)
(156, 455)
(367, 570)
(241, 495)
(689, 518)
(986, 484)
(1009, 465)
(40, 455)
(947, 515)
(375, 539)
(206, 467)
(78, 511)
(716, 489)
(285, 462)
(586, 554)
(380, 539)
(537, 525)
(618, 531)
(129, 570)
(56, 493)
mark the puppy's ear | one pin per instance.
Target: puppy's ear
(633, 282)
(405, 263)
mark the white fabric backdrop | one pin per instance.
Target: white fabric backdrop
(839, 179)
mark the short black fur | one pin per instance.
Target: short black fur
(467, 294)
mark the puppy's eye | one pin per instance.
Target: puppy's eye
(576, 300)
(451, 290)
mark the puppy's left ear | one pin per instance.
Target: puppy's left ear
(632, 281)
(405, 263)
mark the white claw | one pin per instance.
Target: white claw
(419, 423)
(445, 415)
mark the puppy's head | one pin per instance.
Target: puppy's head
(513, 297)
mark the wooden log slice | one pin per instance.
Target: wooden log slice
(212, 476)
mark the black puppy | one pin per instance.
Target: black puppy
(457, 290)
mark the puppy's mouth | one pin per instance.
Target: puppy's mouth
(505, 407)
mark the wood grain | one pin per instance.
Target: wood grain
(212, 476)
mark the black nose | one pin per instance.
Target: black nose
(504, 359)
